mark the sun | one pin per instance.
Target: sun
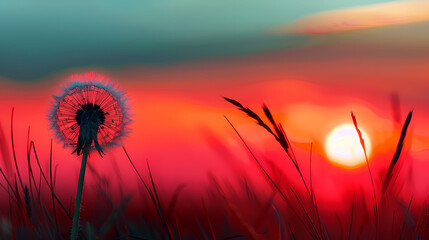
(343, 147)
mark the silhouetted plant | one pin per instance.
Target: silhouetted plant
(89, 115)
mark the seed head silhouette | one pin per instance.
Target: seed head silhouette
(90, 114)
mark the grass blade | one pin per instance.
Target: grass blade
(362, 142)
(279, 134)
(251, 114)
(351, 218)
(52, 189)
(170, 234)
(154, 197)
(395, 159)
(271, 180)
(13, 150)
(5, 152)
(47, 182)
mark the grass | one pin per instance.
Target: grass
(240, 210)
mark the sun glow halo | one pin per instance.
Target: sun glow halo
(343, 146)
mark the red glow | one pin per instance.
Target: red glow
(180, 129)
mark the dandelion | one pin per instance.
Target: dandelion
(89, 115)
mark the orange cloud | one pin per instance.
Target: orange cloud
(356, 18)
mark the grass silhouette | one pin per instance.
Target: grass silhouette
(227, 211)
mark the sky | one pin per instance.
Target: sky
(311, 62)
(44, 37)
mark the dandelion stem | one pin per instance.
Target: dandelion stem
(79, 195)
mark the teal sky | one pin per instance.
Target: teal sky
(38, 38)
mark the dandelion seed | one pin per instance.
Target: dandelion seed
(88, 115)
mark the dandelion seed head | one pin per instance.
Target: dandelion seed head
(90, 113)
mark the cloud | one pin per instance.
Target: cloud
(362, 17)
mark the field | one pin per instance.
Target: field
(214, 119)
(279, 208)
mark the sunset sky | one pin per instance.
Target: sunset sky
(311, 62)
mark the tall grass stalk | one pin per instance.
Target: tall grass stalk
(154, 196)
(362, 142)
(42, 174)
(274, 184)
(398, 151)
(281, 137)
(351, 217)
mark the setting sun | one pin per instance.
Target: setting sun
(343, 146)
